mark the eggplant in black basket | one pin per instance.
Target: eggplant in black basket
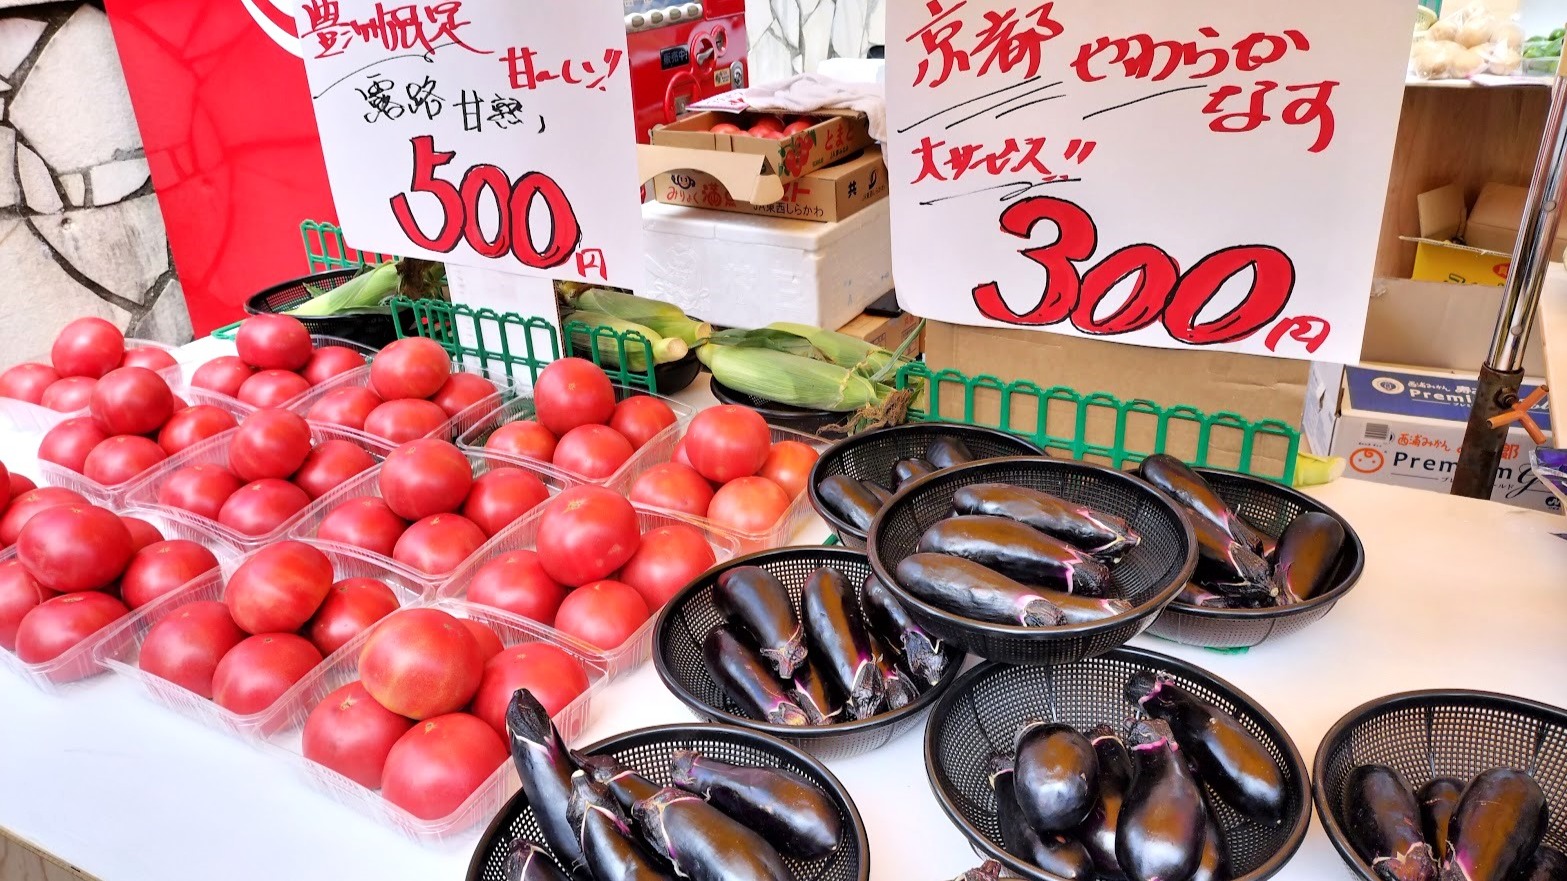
(1194, 594)
(887, 618)
(1382, 822)
(989, 871)
(948, 452)
(966, 588)
(529, 861)
(839, 640)
(545, 768)
(627, 786)
(897, 685)
(792, 813)
(1438, 802)
(759, 604)
(1215, 862)
(746, 679)
(1307, 555)
(882, 494)
(702, 842)
(1105, 536)
(1549, 864)
(814, 694)
(1164, 822)
(1115, 778)
(1187, 486)
(906, 471)
(1057, 776)
(604, 836)
(1227, 567)
(1056, 854)
(849, 499)
(1018, 551)
(1499, 823)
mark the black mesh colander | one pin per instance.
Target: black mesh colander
(801, 419)
(1149, 576)
(374, 328)
(688, 618)
(648, 750)
(1428, 734)
(977, 720)
(1270, 507)
(870, 456)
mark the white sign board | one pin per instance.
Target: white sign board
(495, 134)
(1207, 173)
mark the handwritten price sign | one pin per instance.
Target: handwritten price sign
(1196, 174)
(484, 133)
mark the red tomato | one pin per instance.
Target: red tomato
(764, 131)
(406, 420)
(349, 407)
(278, 588)
(258, 508)
(192, 425)
(143, 534)
(162, 568)
(462, 391)
(272, 388)
(186, 646)
(19, 594)
(363, 523)
(27, 382)
(789, 465)
(439, 543)
(57, 625)
(489, 643)
(425, 477)
(330, 465)
(352, 734)
(149, 358)
(550, 673)
(5, 487)
(683, 456)
(640, 418)
(501, 496)
(516, 582)
(750, 504)
(20, 485)
(593, 451)
(670, 558)
(602, 614)
(87, 347)
(727, 442)
(274, 342)
(329, 361)
(256, 673)
(726, 128)
(269, 443)
(222, 375)
(24, 507)
(348, 610)
(69, 443)
(572, 392)
(433, 768)
(131, 400)
(74, 548)
(121, 458)
(587, 533)
(421, 663)
(410, 368)
(769, 120)
(796, 127)
(199, 489)
(526, 439)
(673, 487)
(70, 394)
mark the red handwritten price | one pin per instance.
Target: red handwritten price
(516, 201)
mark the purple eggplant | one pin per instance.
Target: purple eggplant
(1267, 546)
(966, 588)
(882, 494)
(887, 618)
(1194, 594)
(605, 838)
(814, 695)
(1164, 822)
(1056, 854)
(529, 861)
(1548, 864)
(545, 768)
(745, 678)
(1115, 777)
(906, 471)
(1382, 822)
(1057, 776)
(839, 640)
(948, 452)
(627, 786)
(1215, 862)
(1104, 536)
(1438, 802)
(704, 844)
(850, 500)
(792, 813)
(1498, 824)
(759, 606)
(1187, 487)
(1307, 555)
(897, 685)
(1018, 551)
(1230, 758)
(1227, 567)
(989, 871)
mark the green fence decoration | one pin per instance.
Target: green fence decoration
(326, 250)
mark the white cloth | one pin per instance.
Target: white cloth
(812, 91)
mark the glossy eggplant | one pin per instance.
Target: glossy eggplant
(990, 870)
(887, 618)
(839, 640)
(702, 842)
(792, 813)
(529, 861)
(1382, 822)
(604, 836)
(545, 768)
(966, 588)
(1115, 777)
(1438, 802)
(850, 500)
(747, 680)
(906, 471)
(1214, 865)
(1057, 776)
(1227, 567)
(814, 695)
(1164, 822)
(1548, 864)
(627, 786)
(1017, 551)
(898, 686)
(759, 606)
(882, 494)
(1308, 555)
(1230, 758)
(1498, 824)
(1187, 487)
(948, 452)
(1104, 536)
(1194, 594)
(1267, 546)
(1056, 854)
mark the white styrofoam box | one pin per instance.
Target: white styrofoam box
(743, 271)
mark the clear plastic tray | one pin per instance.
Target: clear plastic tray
(26, 417)
(120, 648)
(368, 485)
(215, 451)
(523, 536)
(343, 667)
(179, 376)
(449, 429)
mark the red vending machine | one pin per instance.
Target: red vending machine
(681, 53)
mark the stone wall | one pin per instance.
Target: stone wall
(792, 36)
(80, 232)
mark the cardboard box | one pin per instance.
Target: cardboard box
(1440, 251)
(827, 195)
(840, 134)
(887, 331)
(1497, 216)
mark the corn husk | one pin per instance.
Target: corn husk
(367, 290)
(666, 319)
(789, 379)
(610, 348)
(839, 348)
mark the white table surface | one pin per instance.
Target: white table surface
(1456, 594)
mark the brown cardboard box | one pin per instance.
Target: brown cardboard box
(1441, 254)
(840, 133)
(887, 331)
(1497, 215)
(826, 195)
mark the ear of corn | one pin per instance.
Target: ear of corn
(776, 340)
(841, 349)
(788, 379)
(367, 290)
(664, 318)
(620, 342)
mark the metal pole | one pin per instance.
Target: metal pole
(1502, 374)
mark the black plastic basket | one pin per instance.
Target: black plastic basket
(1270, 507)
(1428, 734)
(977, 720)
(690, 616)
(1149, 576)
(374, 328)
(670, 378)
(870, 456)
(647, 751)
(782, 415)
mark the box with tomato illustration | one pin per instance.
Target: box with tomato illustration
(826, 195)
(789, 150)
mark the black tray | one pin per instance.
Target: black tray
(782, 415)
(373, 328)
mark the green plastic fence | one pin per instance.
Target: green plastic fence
(326, 250)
